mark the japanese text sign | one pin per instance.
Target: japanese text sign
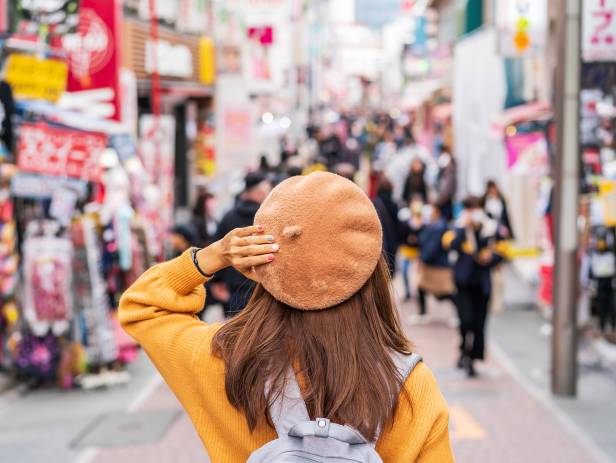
(599, 30)
(32, 77)
(57, 151)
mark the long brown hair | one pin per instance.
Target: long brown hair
(341, 355)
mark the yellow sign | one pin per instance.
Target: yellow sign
(207, 65)
(34, 78)
(607, 187)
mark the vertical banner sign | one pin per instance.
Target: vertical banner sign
(522, 27)
(599, 30)
(94, 53)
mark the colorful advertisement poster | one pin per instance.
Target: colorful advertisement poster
(519, 143)
(31, 77)
(57, 151)
(94, 50)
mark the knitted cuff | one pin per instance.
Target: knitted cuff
(181, 274)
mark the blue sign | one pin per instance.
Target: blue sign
(124, 144)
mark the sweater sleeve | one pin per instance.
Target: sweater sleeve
(158, 311)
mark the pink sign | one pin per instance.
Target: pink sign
(519, 143)
(63, 152)
(599, 30)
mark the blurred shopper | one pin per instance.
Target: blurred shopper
(404, 165)
(330, 146)
(202, 219)
(446, 183)
(475, 240)
(435, 275)
(336, 327)
(387, 210)
(181, 237)
(411, 221)
(495, 206)
(231, 287)
(602, 275)
(415, 184)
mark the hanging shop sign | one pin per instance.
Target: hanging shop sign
(58, 151)
(599, 30)
(156, 151)
(522, 27)
(207, 65)
(34, 17)
(93, 50)
(178, 57)
(31, 77)
(170, 60)
(36, 186)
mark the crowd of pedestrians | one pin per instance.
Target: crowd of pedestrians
(442, 248)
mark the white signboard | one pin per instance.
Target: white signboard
(522, 27)
(599, 30)
(171, 60)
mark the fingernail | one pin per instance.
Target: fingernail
(260, 227)
(270, 238)
(275, 247)
(270, 257)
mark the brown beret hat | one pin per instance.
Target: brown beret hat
(330, 240)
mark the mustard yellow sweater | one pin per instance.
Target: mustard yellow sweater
(159, 310)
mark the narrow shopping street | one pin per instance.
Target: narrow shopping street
(290, 159)
(504, 415)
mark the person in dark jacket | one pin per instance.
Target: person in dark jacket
(495, 206)
(330, 147)
(446, 182)
(415, 184)
(476, 241)
(202, 219)
(229, 286)
(387, 210)
(181, 237)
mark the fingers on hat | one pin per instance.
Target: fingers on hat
(256, 250)
(254, 239)
(253, 261)
(247, 231)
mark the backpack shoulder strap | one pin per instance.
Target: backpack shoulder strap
(405, 364)
(289, 408)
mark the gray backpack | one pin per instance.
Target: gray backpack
(321, 441)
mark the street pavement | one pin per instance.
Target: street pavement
(501, 416)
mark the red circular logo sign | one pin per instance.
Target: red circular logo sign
(91, 47)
